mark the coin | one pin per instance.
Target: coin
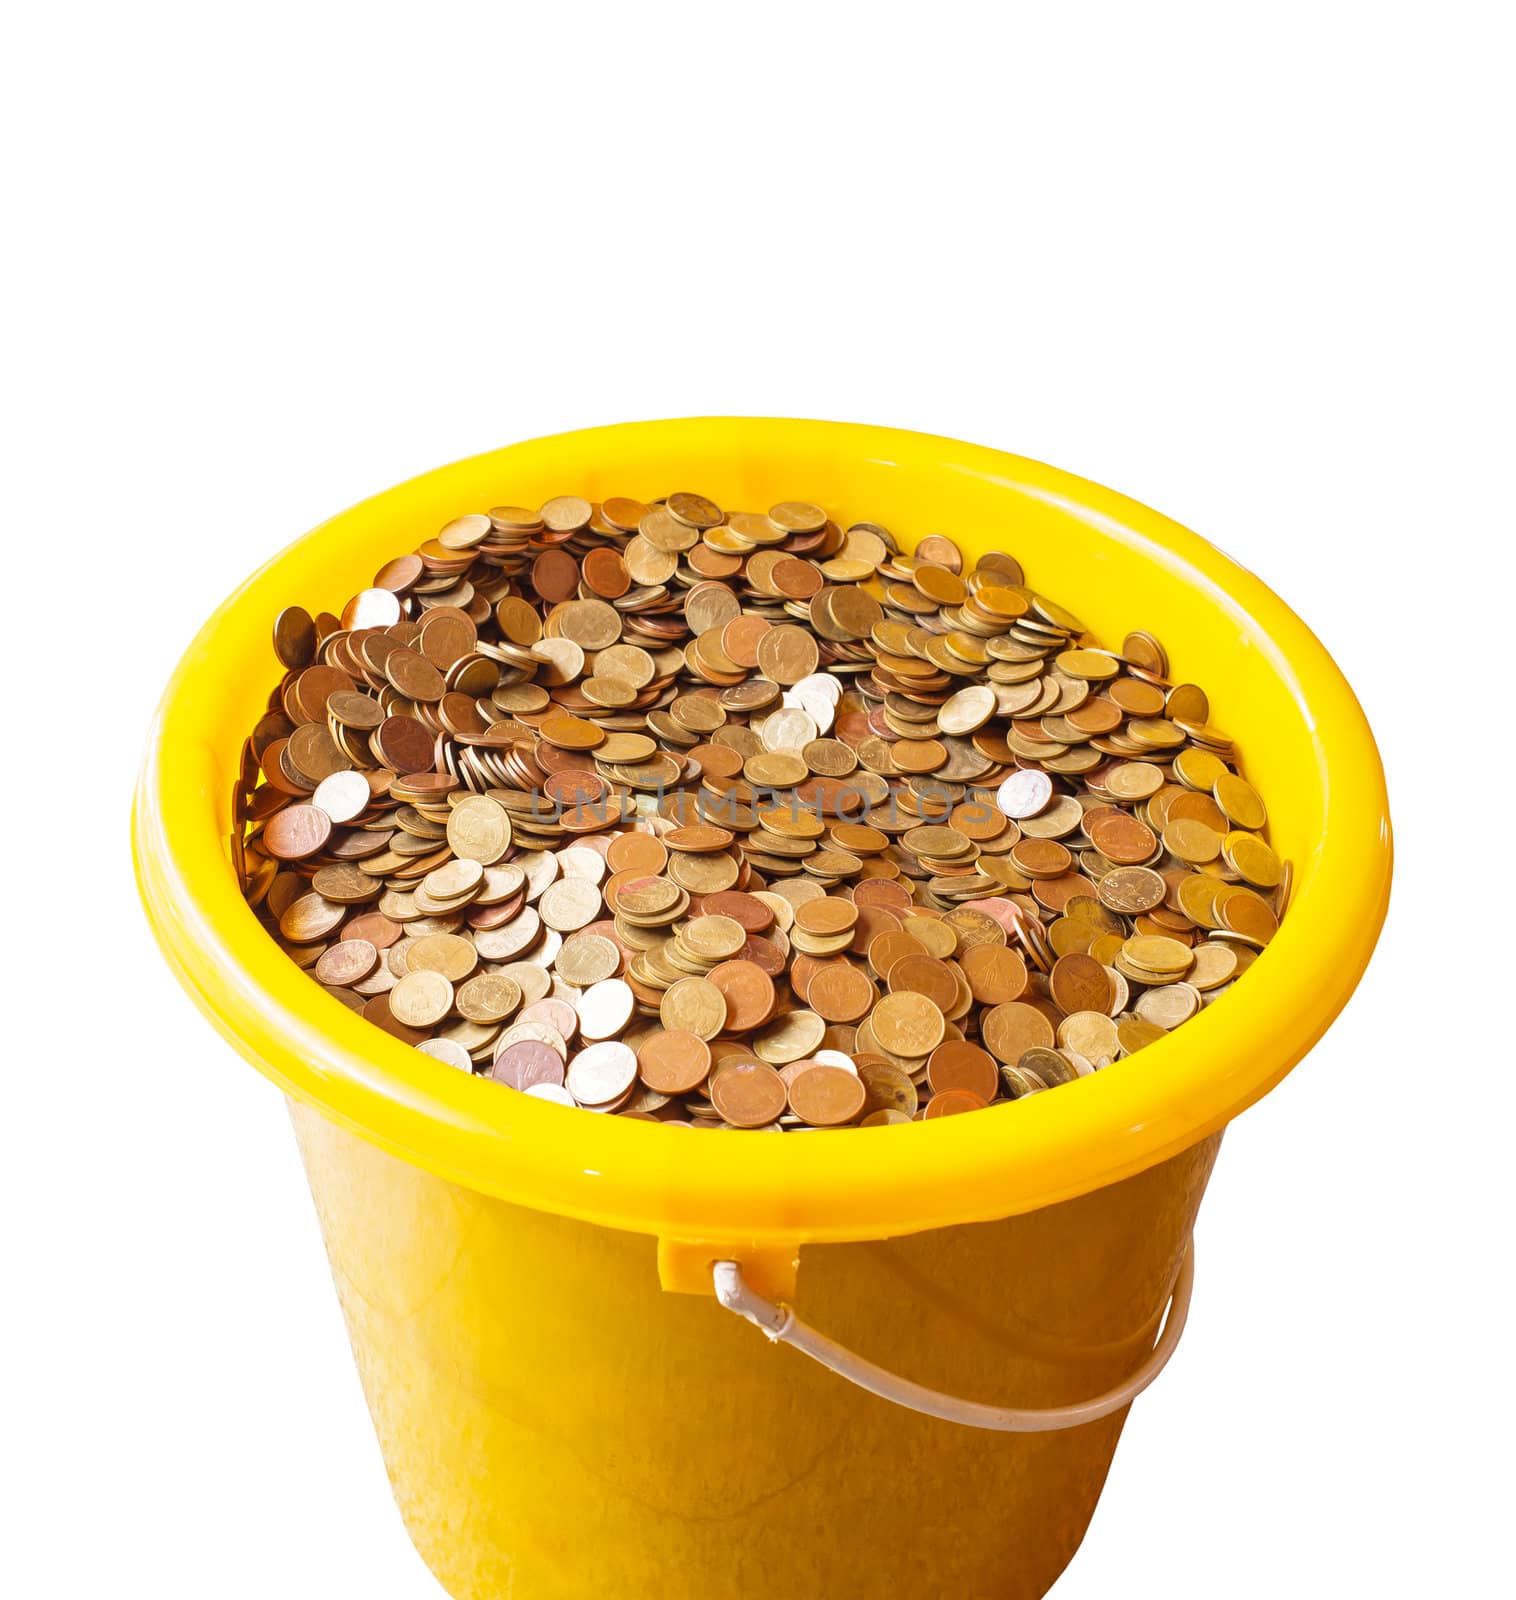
(673, 1061)
(825, 1096)
(1080, 983)
(748, 1094)
(959, 1064)
(793, 1036)
(343, 796)
(1012, 1029)
(527, 1062)
(601, 1073)
(908, 1024)
(951, 1102)
(746, 991)
(454, 957)
(346, 963)
(841, 993)
(489, 997)
(786, 654)
(1090, 1034)
(605, 1008)
(569, 904)
(421, 998)
(1024, 794)
(296, 832)
(479, 829)
(447, 1050)
(967, 710)
(695, 1005)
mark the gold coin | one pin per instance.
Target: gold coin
(421, 999)
(585, 959)
(787, 654)
(1215, 964)
(1192, 842)
(479, 829)
(1095, 665)
(1251, 858)
(694, 1005)
(1155, 953)
(1240, 801)
(713, 939)
(791, 1037)
(1091, 1034)
(1011, 1029)
(908, 1024)
(1136, 1033)
(454, 957)
(569, 904)
(489, 997)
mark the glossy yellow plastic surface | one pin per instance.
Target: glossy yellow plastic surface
(555, 1425)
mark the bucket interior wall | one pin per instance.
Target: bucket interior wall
(556, 1426)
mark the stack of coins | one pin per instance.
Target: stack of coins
(745, 819)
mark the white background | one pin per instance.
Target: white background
(1244, 263)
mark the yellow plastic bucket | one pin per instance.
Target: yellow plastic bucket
(555, 1421)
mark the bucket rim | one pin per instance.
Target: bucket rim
(874, 1182)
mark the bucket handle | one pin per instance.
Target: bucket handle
(782, 1326)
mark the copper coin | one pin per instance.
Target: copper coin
(959, 1064)
(1121, 838)
(526, 1062)
(1012, 1029)
(928, 977)
(841, 992)
(951, 1102)
(995, 973)
(748, 1094)
(295, 637)
(348, 962)
(1080, 983)
(673, 1061)
(764, 954)
(748, 992)
(404, 745)
(748, 912)
(605, 572)
(1042, 858)
(296, 832)
(640, 853)
(374, 927)
(826, 1096)
(413, 675)
(826, 916)
(555, 576)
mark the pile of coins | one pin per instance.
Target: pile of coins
(745, 819)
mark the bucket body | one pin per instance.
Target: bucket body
(555, 1420)
(556, 1426)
